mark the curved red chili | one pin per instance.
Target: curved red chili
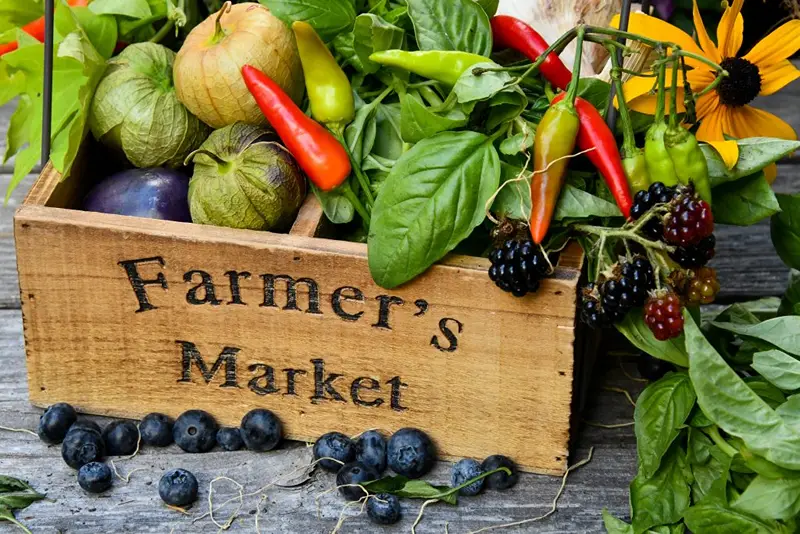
(510, 32)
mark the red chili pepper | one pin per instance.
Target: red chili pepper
(36, 29)
(319, 154)
(510, 32)
(595, 133)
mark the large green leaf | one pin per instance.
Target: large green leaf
(373, 34)
(418, 121)
(790, 302)
(636, 330)
(790, 411)
(755, 153)
(771, 498)
(785, 230)
(137, 9)
(783, 332)
(328, 17)
(779, 368)
(745, 202)
(614, 525)
(662, 498)
(434, 197)
(451, 25)
(471, 88)
(716, 518)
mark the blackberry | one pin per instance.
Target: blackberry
(637, 278)
(664, 315)
(697, 255)
(657, 193)
(689, 221)
(518, 266)
(591, 310)
(617, 300)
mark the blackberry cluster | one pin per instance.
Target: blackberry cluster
(689, 221)
(615, 297)
(657, 193)
(663, 314)
(518, 266)
(703, 286)
(591, 309)
(697, 255)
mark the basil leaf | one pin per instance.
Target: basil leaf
(785, 230)
(745, 202)
(344, 44)
(662, 498)
(731, 404)
(434, 197)
(614, 525)
(373, 34)
(709, 465)
(716, 518)
(636, 330)
(768, 393)
(451, 25)
(576, 203)
(771, 498)
(789, 411)
(660, 412)
(489, 6)
(418, 122)
(514, 199)
(779, 368)
(387, 484)
(755, 153)
(135, 9)
(16, 14)
(517, 143)
(337, 207)
(328, 17)
(595, 91)
(783, 332)
(388, 141)
(412, 489)
(471, 88)
(790, 302)
(506, 106)
(19, 500)
(8, 484)
(699, 419)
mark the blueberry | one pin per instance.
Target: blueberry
(334, 445)
(94, 477)
(371, 450)
(410, 453)
(354, 473)
(121, 438)
(384, 509)
(261, 430)
(55, 422)
(652, 368)
(195, 431)
(230, 439)
(500, 481)
(81, 447)
(465, 470)
(85, 424)
(156, 430)
(178, 487)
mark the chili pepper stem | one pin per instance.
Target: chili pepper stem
(661, 95)
(219, 32)
(673, 106)
(572, 93)
(557, 47)
(629, 141)
(348, 192)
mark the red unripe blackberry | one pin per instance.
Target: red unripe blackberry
(703, 286)
(694, 256)
(664, 315)
(518, 266)
(689, 221)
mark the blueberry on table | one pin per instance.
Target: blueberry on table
(230, 439)
(121, 438)
(156, 430)
(371, 450)
(261, 430)
(55, 422)
(500, 480)
(410, 453)
(351, 474)
(81, 447)
(463, 471)
(384, 509)
(334, 445)
(85, 424)
(95, 477)
(651, 368)
(178, 487)
(195, 431)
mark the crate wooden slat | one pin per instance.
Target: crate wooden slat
(481, 371)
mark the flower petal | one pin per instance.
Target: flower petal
(706, 43)
(712, 129)
(700, 78)
(731, 30)
(777, 46)
(728, 150)
(638, 94)
(770, 173)
(707, 105)
(778, 76)
(663, 31)
(748, 121)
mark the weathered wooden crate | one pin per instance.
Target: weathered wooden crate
(124, 316)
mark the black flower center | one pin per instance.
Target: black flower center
(742, 84)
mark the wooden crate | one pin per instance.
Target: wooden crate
(124, 316)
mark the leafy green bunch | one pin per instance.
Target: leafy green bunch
(16, 495)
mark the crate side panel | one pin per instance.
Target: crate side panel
(338, 353)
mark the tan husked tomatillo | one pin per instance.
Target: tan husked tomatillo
(207, 73)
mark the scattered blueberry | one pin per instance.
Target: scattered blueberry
(156, 430)
(651, 368)
(384, 509)
(121, 438)
(500, 480)
(55, 422)
(354, 473)
(178, 487)
(195, 431)
(371, 450)
(81, 447)
(334, 445)
(465, 470)
(261, 430)
(85, 424)
(410, 453)
(230, 439)
(95, 477)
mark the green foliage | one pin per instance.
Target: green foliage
(328, 17)
(451, 25)
(755, 153)
(785, 230)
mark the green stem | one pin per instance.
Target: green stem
(673, 106)
(363, 181)
(572, 92)
(713, 85)
(348, 192)
(629, 141)
(224, 166)
(624, 234)
(548, 91)
(11, 519)
(219, 31)
(430, 96)
(661, 98)
(557, 47)
(719, 441)
(451, 491)
(163, 32)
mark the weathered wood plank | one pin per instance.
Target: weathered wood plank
(135, 507)
(9, 289)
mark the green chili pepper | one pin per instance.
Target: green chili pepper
(688, 160)
(659, 164)
(635, 166)
(444, 66)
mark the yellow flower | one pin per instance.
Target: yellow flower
(724, 111)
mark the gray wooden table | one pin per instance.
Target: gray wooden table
(748, 268)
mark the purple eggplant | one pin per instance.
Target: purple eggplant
(152, 193)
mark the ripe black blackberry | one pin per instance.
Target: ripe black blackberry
(591, 310)
(690, 219)
(518, 266)
(657, 193)
(697, 255)
(628, 288)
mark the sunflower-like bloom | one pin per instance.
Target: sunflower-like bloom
(724, 112)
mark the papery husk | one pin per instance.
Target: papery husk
(208, 76)
(552, 18)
